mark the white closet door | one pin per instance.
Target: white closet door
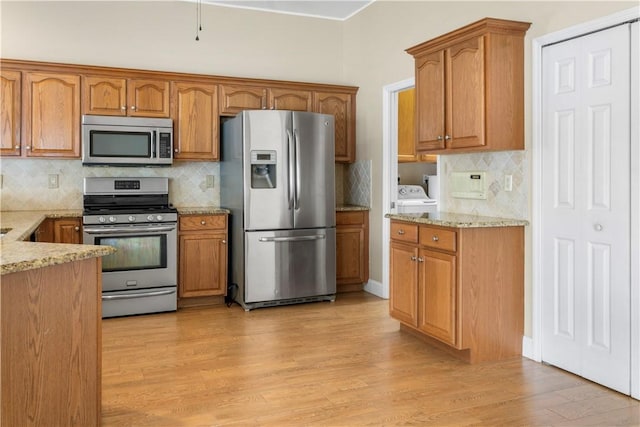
(586, 207)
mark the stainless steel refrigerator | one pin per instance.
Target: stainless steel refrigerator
(277, 178)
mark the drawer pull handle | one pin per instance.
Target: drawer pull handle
(401, 232)
(413, 258)
(203, 222)
(420, 259)
(435, 238)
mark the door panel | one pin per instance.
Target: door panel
(586, 207)
(266, 130)
(289, 264)
(314, 204)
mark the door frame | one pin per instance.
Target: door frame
(532, 348)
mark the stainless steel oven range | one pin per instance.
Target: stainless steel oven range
(134, 216)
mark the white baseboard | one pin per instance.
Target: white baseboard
(527, 348)
(374, 288)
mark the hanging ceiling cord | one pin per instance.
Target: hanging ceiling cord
(198, 19)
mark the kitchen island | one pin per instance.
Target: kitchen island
(50, 332)
(457, 282)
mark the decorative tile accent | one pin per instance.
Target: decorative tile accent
(499, 203)
(358, 183)
(25, 183)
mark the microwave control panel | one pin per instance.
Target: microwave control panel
(164, 145)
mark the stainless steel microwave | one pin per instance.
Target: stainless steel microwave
(126, 141)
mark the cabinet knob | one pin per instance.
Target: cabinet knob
(447, 137)
(439, 138)
(17, 147)
(401, 232)
(76, 228)
(203, 222)
(28, 147)
(124, 107)
(224, 242)
(435, 238)
(133, 107)
(175, 150)
(413, 258)
(420, 259)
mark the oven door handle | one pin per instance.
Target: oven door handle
(127, 230)
(139, 295)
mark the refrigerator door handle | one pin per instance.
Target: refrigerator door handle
(296, 140)
(292, 239)
(290, 160)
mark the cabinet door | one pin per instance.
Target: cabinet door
(234, 99)
(466, 94)
(104, 95)
(148, 98)
(430, 102)
(10, 105)
(195, 116)
(438, 296)
(51, 114)
(403, 292)
(349, 255)
(285, 99)
(339, 105)
(68, 230)
(203, 265)
(44, 233)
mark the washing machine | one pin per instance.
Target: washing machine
(413, 199)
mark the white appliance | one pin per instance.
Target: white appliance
(413, 199)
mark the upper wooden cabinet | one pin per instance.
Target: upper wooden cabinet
(235, 98)
(194, 109)
(117, 96)
(407, 130)
(51, 115)
(470, 88)
(341, 106)
(10, 104)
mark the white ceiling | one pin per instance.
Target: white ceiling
(327, 9)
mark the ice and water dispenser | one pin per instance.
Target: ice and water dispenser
(263, 169)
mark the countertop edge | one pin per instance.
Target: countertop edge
(460, 221)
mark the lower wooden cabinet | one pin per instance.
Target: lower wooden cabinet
(60, 230)
(202, 255)
(352, 249)
(460, 288)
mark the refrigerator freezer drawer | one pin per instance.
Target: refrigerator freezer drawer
(283, 265)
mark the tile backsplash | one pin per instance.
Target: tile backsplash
(499, 202)
(353, 183)
(25, 184)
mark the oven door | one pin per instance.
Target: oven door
(146, 255)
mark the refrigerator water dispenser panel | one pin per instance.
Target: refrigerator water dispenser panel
(263, 169)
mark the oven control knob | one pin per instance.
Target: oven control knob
(159, 217)
(112, 219)
(150, 217)
(132, 218)
(102, 219)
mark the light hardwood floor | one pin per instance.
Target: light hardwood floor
(327, 364)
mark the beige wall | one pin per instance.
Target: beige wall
(366, 51)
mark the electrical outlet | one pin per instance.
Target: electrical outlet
(53, 180)
(209, 181)
(508, 183)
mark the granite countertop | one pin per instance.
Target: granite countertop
(346, 208)
(17, 255)
(206, 210)
(457, 220)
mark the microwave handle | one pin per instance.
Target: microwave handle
(154, 144)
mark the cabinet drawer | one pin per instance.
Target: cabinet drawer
(404, 232)
(203, 222)
(438, 238)
(350, 218)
